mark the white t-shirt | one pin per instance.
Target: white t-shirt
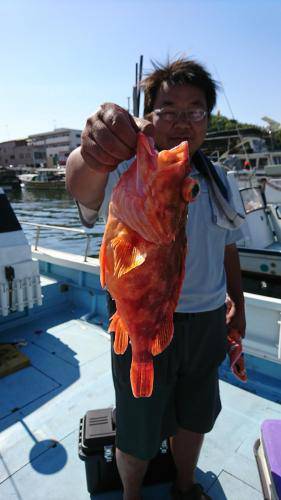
(204, 286)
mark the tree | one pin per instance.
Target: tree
(219, 122)
(276, 139)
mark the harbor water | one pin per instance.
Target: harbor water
(57, 208)
(54, 208)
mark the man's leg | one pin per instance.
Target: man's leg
(186, 446)
(132, 471)
(197, 396)
(141, 422)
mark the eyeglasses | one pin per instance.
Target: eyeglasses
(170, 115)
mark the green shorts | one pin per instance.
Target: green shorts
(186, 388)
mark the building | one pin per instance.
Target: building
(21, 153)
(58, 144)
(38, 150)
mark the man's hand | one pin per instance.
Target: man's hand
(238, 321)
(230, 309)
(234, 288)
(235, 316)
(110, 136)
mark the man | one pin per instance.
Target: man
(185, 403)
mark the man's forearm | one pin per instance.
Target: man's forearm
(233, 274)
(234, 282)
(85, 184)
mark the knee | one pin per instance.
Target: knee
(130, 461)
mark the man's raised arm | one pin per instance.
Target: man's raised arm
(109, 137)
(83, 183)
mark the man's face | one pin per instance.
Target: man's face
(180, 98)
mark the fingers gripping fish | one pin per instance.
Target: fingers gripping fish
(142, 256)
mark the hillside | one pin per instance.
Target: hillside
(219, 122)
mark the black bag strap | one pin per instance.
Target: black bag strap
(200, 160)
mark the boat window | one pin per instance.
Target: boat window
(252, 199)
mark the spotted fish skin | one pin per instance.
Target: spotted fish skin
(142, 256)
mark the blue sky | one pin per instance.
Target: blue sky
(61, 58)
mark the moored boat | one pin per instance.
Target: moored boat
(260, 247)
(9, 181)
(45, 178)
(68, 347)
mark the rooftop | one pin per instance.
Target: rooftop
(54, 132)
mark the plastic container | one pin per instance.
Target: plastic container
(267, 451)
(96, 448)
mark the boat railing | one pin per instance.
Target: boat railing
(87, 234)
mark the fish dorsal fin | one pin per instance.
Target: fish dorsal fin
(146, 162)
(163, 336)
(121, 335)
(126, 256)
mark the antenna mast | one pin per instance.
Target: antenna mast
(233, 117)
(136, 88)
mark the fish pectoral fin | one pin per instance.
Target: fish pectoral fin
(142, 378)
(126, 256)
(163, 337)
(121, 335)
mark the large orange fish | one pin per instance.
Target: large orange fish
(142, 256)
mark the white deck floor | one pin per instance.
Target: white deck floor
(40, 406)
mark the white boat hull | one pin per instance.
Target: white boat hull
(263, 263)
(44, 185)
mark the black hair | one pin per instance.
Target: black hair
(178, 72)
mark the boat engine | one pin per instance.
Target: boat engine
(19, 275)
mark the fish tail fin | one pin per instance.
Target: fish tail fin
(142, 378)
(163, 337)
(121, 335)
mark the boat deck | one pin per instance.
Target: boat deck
(69, 374)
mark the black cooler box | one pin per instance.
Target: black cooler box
(97, 449)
